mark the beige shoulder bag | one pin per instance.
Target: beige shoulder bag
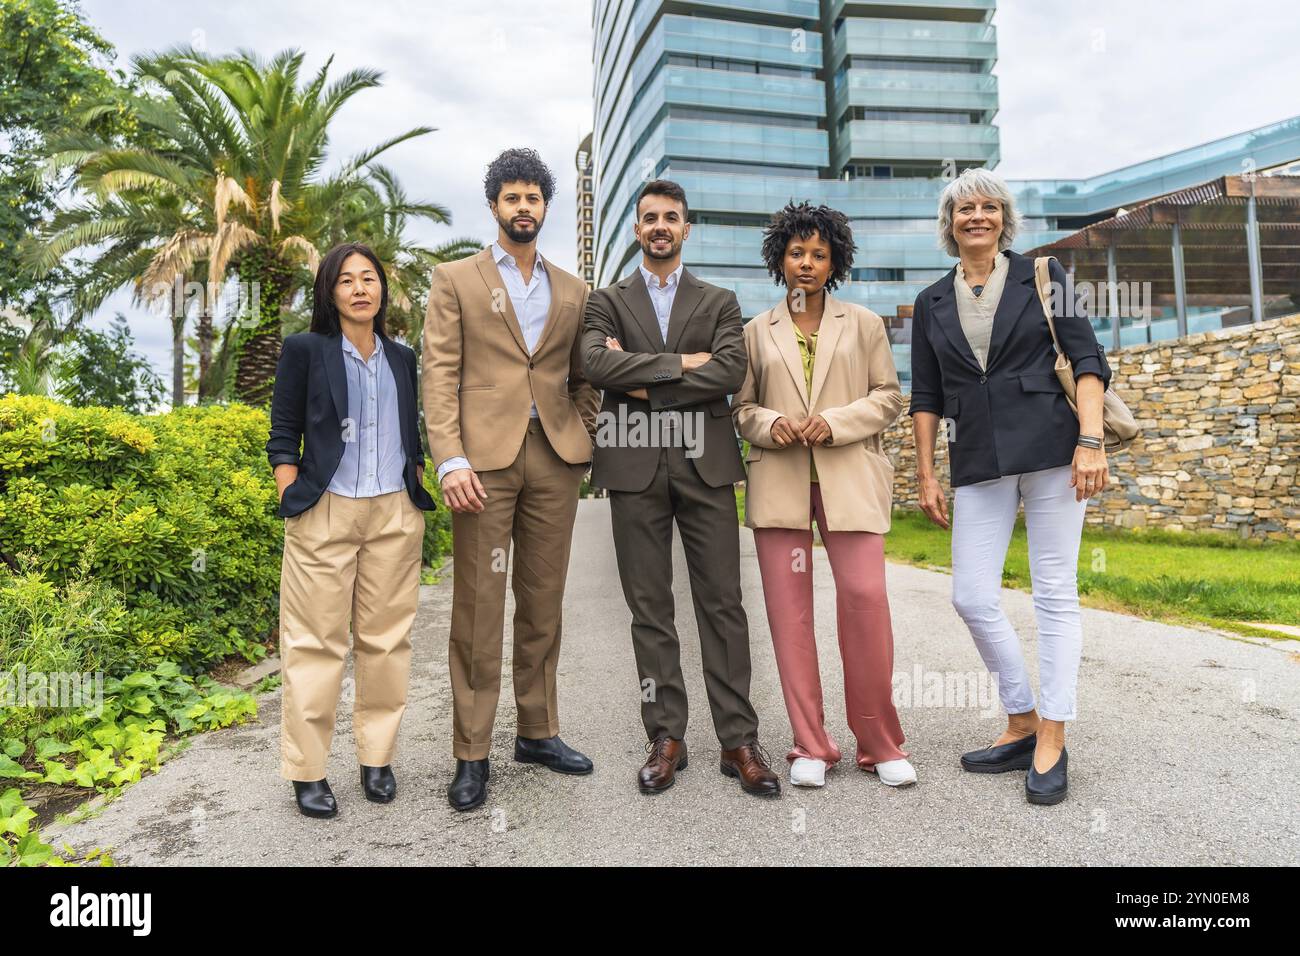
(1118, 424)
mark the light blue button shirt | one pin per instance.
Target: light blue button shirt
(531, 300)
(532, 303)
(374, 462)
(661, 296)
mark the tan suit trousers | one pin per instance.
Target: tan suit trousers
(347, 560)
(532, 503)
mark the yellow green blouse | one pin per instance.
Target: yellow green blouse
(808, 353)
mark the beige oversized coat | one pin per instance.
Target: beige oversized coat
(855, 388)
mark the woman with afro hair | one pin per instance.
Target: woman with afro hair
(820, 390)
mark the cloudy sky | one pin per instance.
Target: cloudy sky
(1084, 87)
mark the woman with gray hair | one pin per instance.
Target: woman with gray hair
(983, 361)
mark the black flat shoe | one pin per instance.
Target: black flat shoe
(315, 798)
(468, 788)
(378, 783)
(552, 752)
(1049, 787)
(1017, 755)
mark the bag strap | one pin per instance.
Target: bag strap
(1043, 282)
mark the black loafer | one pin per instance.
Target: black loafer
(315, 798)
(1050, 787)
(552, 752)
(378, 783)
(468, 788)
(1017, 755)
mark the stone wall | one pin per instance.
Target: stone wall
(1220, 438)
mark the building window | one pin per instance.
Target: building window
(899, 63)
(958, 117)
(737, 66)
(736, 116)
(877, 275)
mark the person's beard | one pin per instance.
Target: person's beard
(527, 234)
(674, 247)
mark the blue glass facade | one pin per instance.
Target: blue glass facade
(861, 105)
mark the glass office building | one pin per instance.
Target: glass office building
(864, 106)
(585, 166)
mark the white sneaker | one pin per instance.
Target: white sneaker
(896, 773)
(808, 773)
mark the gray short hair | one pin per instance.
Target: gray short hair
(977, 182)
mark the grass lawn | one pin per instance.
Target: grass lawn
(1168, 576)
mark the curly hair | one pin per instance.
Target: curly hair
(802, 220)
(518, 165)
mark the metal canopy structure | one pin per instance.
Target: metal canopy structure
(1232, 241)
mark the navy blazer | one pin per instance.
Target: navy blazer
(1011, 417)
(309, 405)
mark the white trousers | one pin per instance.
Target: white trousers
(984, 515)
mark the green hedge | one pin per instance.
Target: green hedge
(174, 512)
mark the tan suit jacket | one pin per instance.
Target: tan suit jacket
(855, 388)
(479, 381)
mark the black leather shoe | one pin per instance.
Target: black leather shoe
(1050, 787)
(1017, 755)
(315, 798)
(379, 783)
(468, 788)
(552, 752)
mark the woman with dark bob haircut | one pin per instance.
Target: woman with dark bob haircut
(353, 503)
(820, 390)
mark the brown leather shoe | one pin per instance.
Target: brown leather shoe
(749, 762)
(667, 756)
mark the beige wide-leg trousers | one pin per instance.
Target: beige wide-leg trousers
(357, 561)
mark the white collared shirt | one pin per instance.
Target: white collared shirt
(662, 295)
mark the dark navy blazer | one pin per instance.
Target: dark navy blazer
(309, 405)
(1011, 417)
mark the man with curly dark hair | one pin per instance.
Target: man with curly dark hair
(519, 165)
(511, 417)
(820, 389)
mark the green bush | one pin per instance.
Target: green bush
(174, 512)
(79, 628)
(437, 525)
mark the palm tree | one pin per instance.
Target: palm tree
(35, 366)
(225, 175)
(381, 224)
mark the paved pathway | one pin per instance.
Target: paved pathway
(1186, 752)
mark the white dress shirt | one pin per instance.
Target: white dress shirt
(532, 303)
(662, 295)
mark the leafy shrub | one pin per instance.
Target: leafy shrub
(175, 512)
(437, 525)
(102, 746)
(44, 629)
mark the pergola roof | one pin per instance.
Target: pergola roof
(1211, 220)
